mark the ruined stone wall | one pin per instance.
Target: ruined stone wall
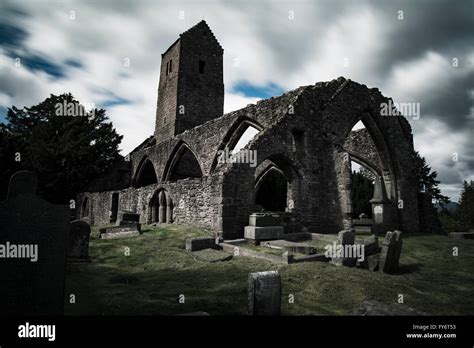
(304, 134)
(195, 201)
(392, 136)
(360, 144)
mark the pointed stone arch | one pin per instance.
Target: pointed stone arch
(277, 172)
(145, 174)
(182, 163)
(234, 134)
(385, 168)
(160, 207)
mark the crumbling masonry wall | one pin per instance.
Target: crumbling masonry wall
(304, 133)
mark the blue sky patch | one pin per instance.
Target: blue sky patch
(11, 36)
(254, 91)
(74, 63)
(37, 63)
(3, 114)
(114, 102)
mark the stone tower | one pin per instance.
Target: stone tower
(191, 88)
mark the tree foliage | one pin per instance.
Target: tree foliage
(362, 192)
(465, 211)
(427, 179)
(66, 152)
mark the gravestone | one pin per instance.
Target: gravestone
(264, 226)
(79, 234)
(32, 280)
(346, 239)
(125, 218)
(127, 225)
(201, 243)
(391, 250)
(264, 293)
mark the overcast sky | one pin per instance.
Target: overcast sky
(84, 47)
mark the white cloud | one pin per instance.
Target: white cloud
(270, 48)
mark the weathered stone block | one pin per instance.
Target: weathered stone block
(200, 243)
(290, 246)
(263, 233)
(119, 231)
(127, 216)
(265, 219)
(264, 293)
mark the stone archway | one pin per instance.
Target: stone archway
(145, 174)
(277, 184)
(271, 190)
(367, 147)
(160, 208)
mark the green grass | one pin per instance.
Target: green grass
(158, 270)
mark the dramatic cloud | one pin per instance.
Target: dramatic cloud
(108, 53)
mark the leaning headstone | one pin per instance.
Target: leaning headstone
(391, 250)
(371, 245)
(264, 293)
(79, 234)
(345, 241)
(34, 237)
(371, 262)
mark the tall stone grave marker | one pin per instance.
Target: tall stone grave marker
(264, 293)
(391, 250)
(33, 246)
(79, 234)
(346, 240)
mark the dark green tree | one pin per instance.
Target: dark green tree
(427, 179)
(465, 210)
(58, 140)
(362, 192)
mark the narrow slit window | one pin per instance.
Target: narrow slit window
(171, 65)
(202, 64)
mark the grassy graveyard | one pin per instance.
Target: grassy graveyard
(158, 270)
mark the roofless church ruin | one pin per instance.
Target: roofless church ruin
(302, 151)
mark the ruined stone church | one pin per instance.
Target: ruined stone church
(304, 138)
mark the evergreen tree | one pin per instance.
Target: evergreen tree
(427, 179)
(361, 193)
(65, 147)
(465, 211)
